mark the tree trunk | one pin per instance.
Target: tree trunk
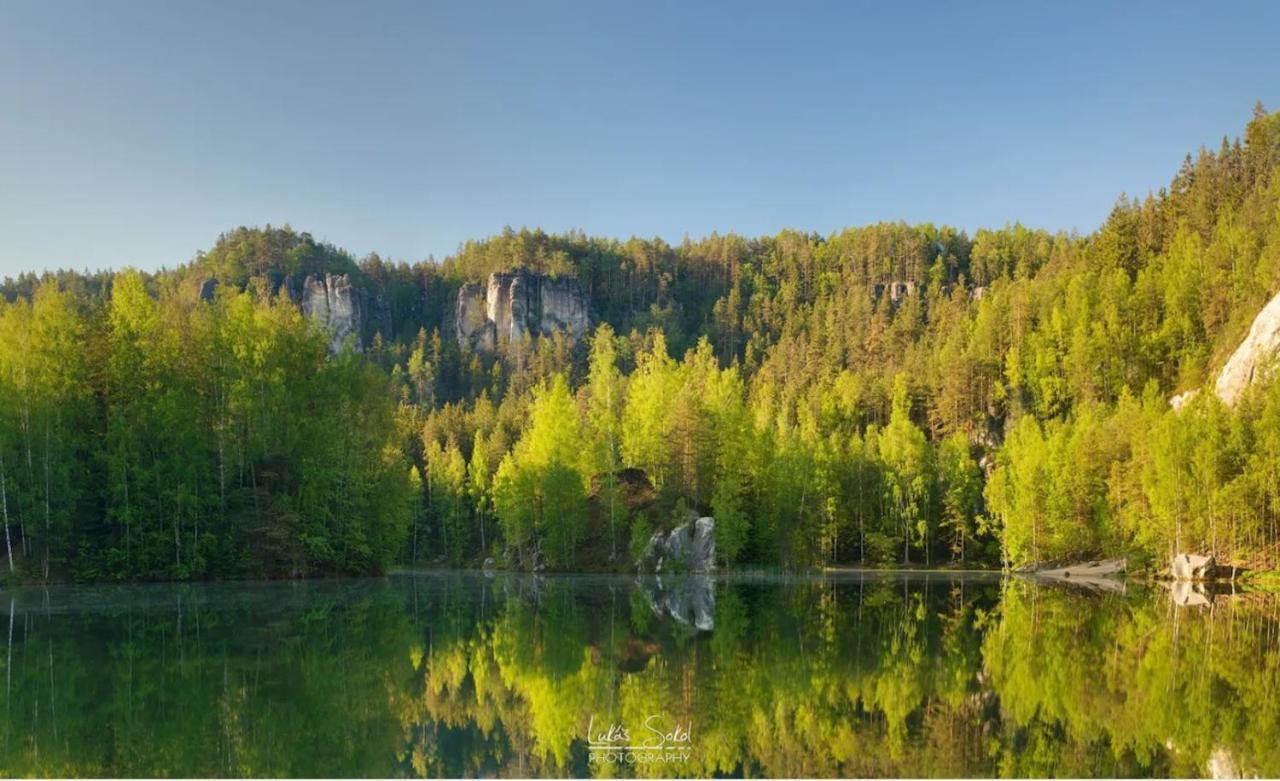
(48, 531)
(4, 504)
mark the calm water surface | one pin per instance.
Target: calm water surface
(465, 675)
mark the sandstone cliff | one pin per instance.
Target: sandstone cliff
(337, 305)
(1252, 358)
(518, 304)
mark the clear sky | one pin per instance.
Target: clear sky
(133, 133)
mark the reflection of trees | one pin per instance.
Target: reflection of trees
(269, 680)
(774, 689)
(877, 679)
(1114, 686)
(463, 676)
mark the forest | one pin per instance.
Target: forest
(886, 395)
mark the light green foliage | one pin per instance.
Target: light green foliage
(961, 486)
(828, 395)
(647, 422)
(906, 456)
(540, 488)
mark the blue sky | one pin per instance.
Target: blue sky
(133, 133)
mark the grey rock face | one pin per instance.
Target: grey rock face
(1252, 358)
(472, 322)
(690, 547)
(337, 305)
(1193, 567)
(519, 304)
(208, 289)
(562, 307)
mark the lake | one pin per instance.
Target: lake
(462, 674)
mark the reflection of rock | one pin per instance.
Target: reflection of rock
(1258, 349)
(1102, 575)
(690, 547)
(337, 305)
(689, 600)
(1184, 593)
(519, 304)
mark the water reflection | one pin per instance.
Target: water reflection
(466, 675)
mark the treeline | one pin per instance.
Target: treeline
(891, 393)
(155, 435)
(871, 371)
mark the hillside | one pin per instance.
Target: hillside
(885, 394)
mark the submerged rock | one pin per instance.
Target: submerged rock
(690, 547)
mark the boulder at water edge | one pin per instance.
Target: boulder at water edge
(690, 547)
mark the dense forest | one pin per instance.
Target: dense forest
(891, 394)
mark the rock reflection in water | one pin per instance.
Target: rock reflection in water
(689, 599)
(449, 674)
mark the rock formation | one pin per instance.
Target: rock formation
(1193, 567)
(337, 305)
(897, 291)
(690, 547)
(1182, 399)
(471, 320)
(1251, 358)
(1103, 575)
(517, 304)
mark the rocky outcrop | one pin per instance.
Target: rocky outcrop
(519, 304)
(1102, 575)
(1194, 567)
(896, 291)
(1251, 359)
(1189, 566)
(1222, 764)
(690, 547)
(337, 305)
(1182, 399)
(471, 320)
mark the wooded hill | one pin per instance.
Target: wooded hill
(885, 394)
